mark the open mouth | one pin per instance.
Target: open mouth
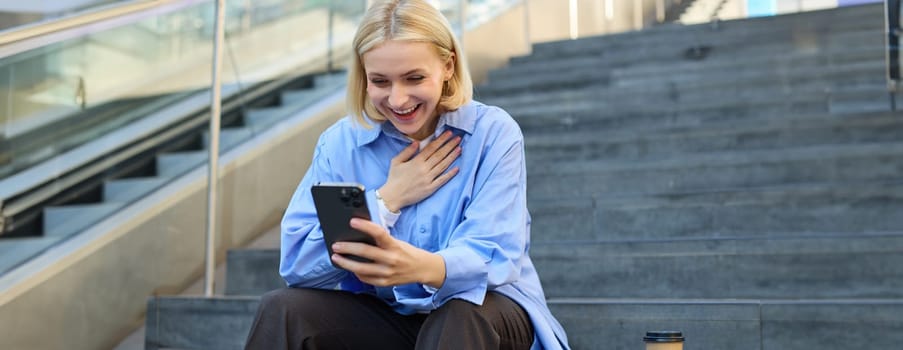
(405, 114)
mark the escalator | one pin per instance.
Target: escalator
(72, 156)
(41, 217)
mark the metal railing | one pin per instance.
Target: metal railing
(893, 31)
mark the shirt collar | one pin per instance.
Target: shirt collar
(463, 118)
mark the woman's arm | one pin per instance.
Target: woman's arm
(304, 259)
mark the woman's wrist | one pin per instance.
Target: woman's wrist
(434, 274)
(388, 201)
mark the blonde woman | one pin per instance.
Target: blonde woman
(446, 184)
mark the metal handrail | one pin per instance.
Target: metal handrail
(32, 36)
(892, 26)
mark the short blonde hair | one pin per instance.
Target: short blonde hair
(405, 20)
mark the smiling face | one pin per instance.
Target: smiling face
(404, 83)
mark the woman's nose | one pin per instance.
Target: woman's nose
(398, 96)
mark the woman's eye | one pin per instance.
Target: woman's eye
(378, 81)
(415, 78)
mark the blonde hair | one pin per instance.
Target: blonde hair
(405, 20)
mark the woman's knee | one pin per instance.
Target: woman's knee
(295, 302)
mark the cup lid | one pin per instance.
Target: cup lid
(664, 337)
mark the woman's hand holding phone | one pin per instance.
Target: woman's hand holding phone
(392, 262)
(415, 177)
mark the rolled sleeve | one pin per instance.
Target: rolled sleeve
(465, 277)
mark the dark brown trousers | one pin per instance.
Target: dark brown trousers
(317, 319)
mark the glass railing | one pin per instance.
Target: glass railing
(19, 13)
(98, 82)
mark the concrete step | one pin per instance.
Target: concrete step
(733, 324)
(128, 189)
(611, 113)
(699, 94)
(686, 49)
(816, 164)
(601, 78)
(751, 134)
(183, 322)
(717, 85)
(597, 115)
(682, 51)
(827, 21)
(842, 266)
(175, 164)
(757, 62)
(718, 63)
(729, 213)
(15, 251)
(781, 29)
(252, 271)
(63, 221)
(223, 323)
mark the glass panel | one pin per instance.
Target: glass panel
(14, 13)
(275, 39)
(62, 95)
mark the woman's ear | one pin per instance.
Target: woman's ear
(450, 66)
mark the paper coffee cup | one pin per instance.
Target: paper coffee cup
(664, 340)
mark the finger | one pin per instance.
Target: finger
(442, 179)
(407, 153)
(379, 234)
(435, 145)
(444, 151)
(355, 267)
(361, 268)
(362, 250)
(446, 162)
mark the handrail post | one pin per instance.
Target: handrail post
(329, 37)
(527, 25)
(892, 53)
(660, 11)
(574, 25)
(462, 19)
(213, 166)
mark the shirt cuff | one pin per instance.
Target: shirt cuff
(465, 277)
(388, 218)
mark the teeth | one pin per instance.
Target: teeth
(404, 111)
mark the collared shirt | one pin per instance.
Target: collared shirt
(478, 221)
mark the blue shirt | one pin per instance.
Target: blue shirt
(478, 221)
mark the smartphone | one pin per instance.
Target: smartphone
(336, 204)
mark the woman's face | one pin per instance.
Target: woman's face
(404, 82)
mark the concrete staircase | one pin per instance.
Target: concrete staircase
(741, 184)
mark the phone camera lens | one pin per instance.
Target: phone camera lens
(357, 203)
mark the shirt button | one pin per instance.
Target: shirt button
(422, 229)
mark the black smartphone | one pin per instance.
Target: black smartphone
(336, 204)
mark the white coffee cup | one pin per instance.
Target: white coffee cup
(664, 340)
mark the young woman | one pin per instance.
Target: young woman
(446, 183)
